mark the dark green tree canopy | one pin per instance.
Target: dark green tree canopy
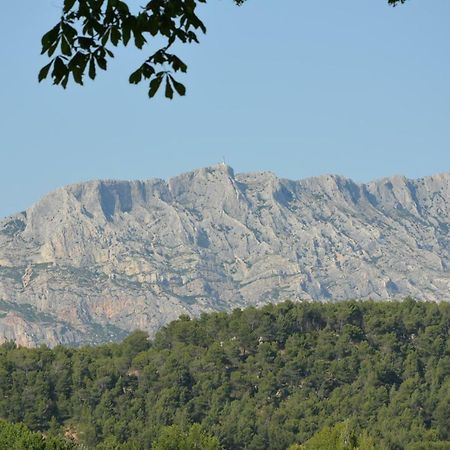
(81, 41)
(315, 376)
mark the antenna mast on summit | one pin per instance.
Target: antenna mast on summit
(224, 163)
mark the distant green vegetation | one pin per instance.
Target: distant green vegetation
(19, 437)
(350, 375)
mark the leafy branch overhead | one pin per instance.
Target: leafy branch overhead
(80, 43)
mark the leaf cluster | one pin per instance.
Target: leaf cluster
(81, 42)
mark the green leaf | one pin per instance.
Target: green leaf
(101, 62)
(180, 88)
(115, 36)
(69, 32)
(85, 42)
(169, 89)
(50, 39)
(139, 39)
(65, 47)
(123, 8)
(98, 27)
(68, 4)
(105, 37)
(126, 30)
(136, 76)
(192, 37)
(154, 85)
(147, 70)
(52, 49)
(59, 70)
(159, 57)
(44, 71)
(77, 76)
(79, 61)
(177, 64)
(92, 71)
(64, 81)
(153, 25)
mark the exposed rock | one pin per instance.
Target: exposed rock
(26, 278)
(92, 261)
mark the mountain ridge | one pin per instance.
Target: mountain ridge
(91, 261)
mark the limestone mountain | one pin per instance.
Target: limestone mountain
(92, 261)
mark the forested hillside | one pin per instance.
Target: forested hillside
(295, 373)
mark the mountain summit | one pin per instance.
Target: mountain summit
(91, 261)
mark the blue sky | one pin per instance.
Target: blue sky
(300, 88)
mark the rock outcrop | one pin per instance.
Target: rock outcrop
(92, 261)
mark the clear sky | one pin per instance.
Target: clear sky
(297, 87)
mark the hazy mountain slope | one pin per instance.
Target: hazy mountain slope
(93, 260)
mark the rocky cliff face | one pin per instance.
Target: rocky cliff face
(92, 261)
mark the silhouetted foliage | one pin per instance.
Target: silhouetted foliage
(81, 42)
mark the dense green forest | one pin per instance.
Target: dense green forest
(347, 375)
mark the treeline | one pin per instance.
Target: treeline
(371, 375)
